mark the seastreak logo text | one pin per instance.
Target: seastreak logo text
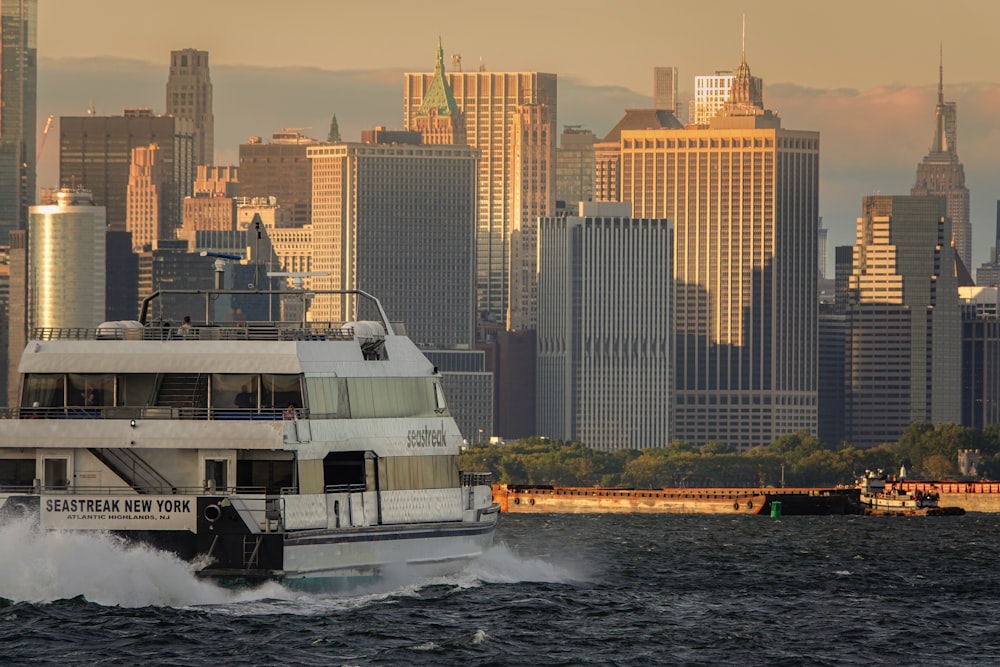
(426, 438)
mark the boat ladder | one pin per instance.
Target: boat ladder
(251, 552)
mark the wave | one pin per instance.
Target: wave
(42, 567)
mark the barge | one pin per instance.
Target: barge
(707, 500)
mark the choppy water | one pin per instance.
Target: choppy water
(556, 590)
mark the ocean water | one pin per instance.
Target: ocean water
(555, 590)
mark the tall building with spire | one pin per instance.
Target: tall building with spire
(18, 98)
(189, 96)
(510, 117)
(439, 120)
(743, 195)
(941, 173)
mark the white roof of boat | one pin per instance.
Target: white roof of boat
(341, 358)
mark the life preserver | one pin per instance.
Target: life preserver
(749, 504)
(517, 501)
(531, 502)
(736, 506)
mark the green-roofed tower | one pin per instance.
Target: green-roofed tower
(439, 120)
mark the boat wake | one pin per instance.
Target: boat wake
(45, 566)
(502, 565)
(41, 567)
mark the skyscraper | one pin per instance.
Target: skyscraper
(903, 328)
(665, 88)
(95, 153)
(17, 309)
(604, 328)
(510, 117)
(279, 169)
(147, 198)
(439, 120)
(189, 96)
(18, 94)
(397, 221)
(743, 195)
(607, 152)
(989, 272)
(941, 173)
(710, 94)
(980, 356)
(575, 163)
(66, 249)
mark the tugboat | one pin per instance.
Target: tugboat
(880, 497)
(294, 451)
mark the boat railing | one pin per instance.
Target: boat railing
(476, 478)
(154, 412)
(344, 488)
(356, 297)
(18, 488)
(83, 490)
(250, 331)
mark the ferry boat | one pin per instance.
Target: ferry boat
(302, 452)
(878, 496)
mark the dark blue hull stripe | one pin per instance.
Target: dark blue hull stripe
(329, 537)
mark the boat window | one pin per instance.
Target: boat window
(55, 473)
(44, 388)
(216, 474)
(391, 397)
(90, 389)
(17, 472)
(232, 391)
(344, 469)
(440, 405)
(270, 475)
(418, 472)
(136, 389)
(369, 398)
(328, 398)
(280, 391)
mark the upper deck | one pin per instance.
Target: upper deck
(223, 370)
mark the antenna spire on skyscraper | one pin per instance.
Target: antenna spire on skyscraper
(941, 74)
(743, 39)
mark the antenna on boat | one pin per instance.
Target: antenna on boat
(256, 222)
(220, 264)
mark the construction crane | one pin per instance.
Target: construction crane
(45, 133)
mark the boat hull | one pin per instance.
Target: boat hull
(238, 552)
(584, 500)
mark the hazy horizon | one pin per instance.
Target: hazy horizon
(837, 69)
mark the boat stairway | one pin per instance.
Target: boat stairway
(133, 470)
(182, 390)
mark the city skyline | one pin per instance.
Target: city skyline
(875, 116)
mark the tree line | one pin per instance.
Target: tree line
(926, 450)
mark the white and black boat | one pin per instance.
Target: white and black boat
(296, 451)
(880, 496)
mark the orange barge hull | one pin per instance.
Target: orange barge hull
(583, 500)
(970, 496)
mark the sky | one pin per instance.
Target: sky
(863, 74)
